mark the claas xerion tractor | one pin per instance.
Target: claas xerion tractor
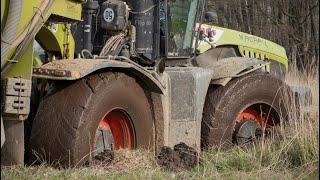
(130, 74)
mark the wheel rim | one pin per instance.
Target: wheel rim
(265, 117)
(246, 131)
(250, 113)
(263, 114)
(119, 125)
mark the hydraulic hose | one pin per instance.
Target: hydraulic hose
(10, 30)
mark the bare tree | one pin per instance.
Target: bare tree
(294, 24)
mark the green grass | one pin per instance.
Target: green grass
(292, 153)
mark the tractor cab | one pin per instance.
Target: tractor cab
(179, 28)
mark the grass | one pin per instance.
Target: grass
(293, 153)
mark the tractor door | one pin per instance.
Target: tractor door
(180, 22)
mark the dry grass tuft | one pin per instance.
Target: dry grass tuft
(126, 160)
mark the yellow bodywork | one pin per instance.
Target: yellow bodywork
(248, 45)
(60, 13)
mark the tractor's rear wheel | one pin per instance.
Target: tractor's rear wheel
(234, 113)
(102, 112)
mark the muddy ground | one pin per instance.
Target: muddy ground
(181, 157)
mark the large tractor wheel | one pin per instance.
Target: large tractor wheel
(243, 109)
(100, 113)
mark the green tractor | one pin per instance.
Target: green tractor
(130, 74)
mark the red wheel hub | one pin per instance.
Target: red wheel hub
(119, 123)
(250, 113)
(264, 120)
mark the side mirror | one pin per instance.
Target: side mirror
(211, 17)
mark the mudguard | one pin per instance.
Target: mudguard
(76, 69)
(226, 69)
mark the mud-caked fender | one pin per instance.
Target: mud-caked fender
(227, 68)
(78, 68)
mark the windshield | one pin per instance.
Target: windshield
(181, 17)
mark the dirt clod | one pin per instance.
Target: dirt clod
(179, 158)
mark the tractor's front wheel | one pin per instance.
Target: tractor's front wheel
(102, 112)
(241, 110)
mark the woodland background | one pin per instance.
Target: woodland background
(294, 24)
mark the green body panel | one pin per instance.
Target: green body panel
(65, 8)
(249, 45)
(37, 61)
(4, 12)
(69, 10)
(58, 40)
(23, 68)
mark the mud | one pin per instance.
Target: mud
(70, 65)
(181, 157)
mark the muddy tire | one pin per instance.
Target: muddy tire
(277, 69)
(251, 95)
(69, 117)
